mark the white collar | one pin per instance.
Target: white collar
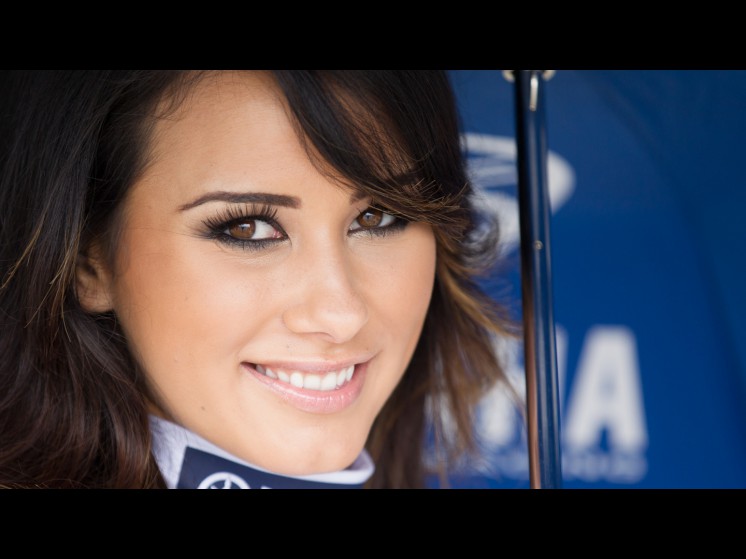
(175, 449)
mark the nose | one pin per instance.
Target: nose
(328, 302)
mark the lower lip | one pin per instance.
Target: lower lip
(315, 401)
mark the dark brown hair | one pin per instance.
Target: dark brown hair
(72, 399)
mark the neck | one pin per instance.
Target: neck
(188, 461)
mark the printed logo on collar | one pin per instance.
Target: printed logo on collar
(224, 480)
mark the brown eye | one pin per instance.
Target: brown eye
(370, 218)
(243, 230)
(256, 229)
(374, 221)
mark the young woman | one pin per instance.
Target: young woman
(237, 279)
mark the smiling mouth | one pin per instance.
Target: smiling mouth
(324, 382)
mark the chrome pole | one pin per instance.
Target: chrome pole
(542, 394)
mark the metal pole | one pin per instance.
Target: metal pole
(545, 468)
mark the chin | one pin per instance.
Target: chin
(305, 459)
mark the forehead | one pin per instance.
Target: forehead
(230, 131)
(222, 108)
(234, 129)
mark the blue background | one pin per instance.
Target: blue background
(647, 247)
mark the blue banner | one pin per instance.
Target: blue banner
(647, 191)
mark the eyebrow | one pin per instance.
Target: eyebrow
(254, 198)
(244, 198)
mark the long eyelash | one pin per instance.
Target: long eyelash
(232, 214)
(395, 227)
(217, 224)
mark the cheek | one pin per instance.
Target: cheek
(400, 291)
(182, 302)
(189, 309)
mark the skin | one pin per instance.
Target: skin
(200, 313)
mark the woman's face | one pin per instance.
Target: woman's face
(272, 311)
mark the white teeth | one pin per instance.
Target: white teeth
(328, 383)
(310, 381)
(296, 379)
(339, 378)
